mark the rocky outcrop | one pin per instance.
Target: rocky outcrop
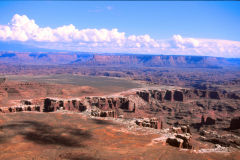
(180, 140)
(186, 140)
(216, 138)
(98, 113)
(168, 95)
(149, 122)
(181, 95)
(173, 107)
(176, 142)
(180, 130)
(20, 109)
(51, 105)
(48, 105)
(158, 95)
(144, 95)
(107, 103)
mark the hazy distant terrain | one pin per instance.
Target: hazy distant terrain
(56, 58)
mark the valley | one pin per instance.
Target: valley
(141, 111)
(119, 80)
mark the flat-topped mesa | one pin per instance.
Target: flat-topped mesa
(128, 104)
(106, 106)
(112, 103)
(24, 105)
(181, 95)
(162, 95)
(51, 105)
(20, 108)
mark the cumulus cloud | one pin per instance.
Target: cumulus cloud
(179, 42)
(68, 37)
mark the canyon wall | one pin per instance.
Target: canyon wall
(170, 107)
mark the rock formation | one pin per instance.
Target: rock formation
(98, 113)
(149, 122)
(176, 142)
(182, 137)
(177, 109)
(186, 140)
(180, 130)
(222, 139)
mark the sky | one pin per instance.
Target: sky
(189, 28)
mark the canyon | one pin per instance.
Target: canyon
(96, 106)
(198, 109)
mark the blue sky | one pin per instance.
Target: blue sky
(160, 20)
(219, 20)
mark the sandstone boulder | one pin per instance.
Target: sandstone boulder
(180, 140)
(176, 142)
(186, 140)
(146, 122)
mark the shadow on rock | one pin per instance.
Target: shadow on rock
(72, 156)
(45, 134)
(197, 126)
(103, 122)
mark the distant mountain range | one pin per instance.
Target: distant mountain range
(130, 60)
(18, 53)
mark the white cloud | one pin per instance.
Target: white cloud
(68, 37)
(180, 42)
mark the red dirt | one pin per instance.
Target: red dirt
(71, 136)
